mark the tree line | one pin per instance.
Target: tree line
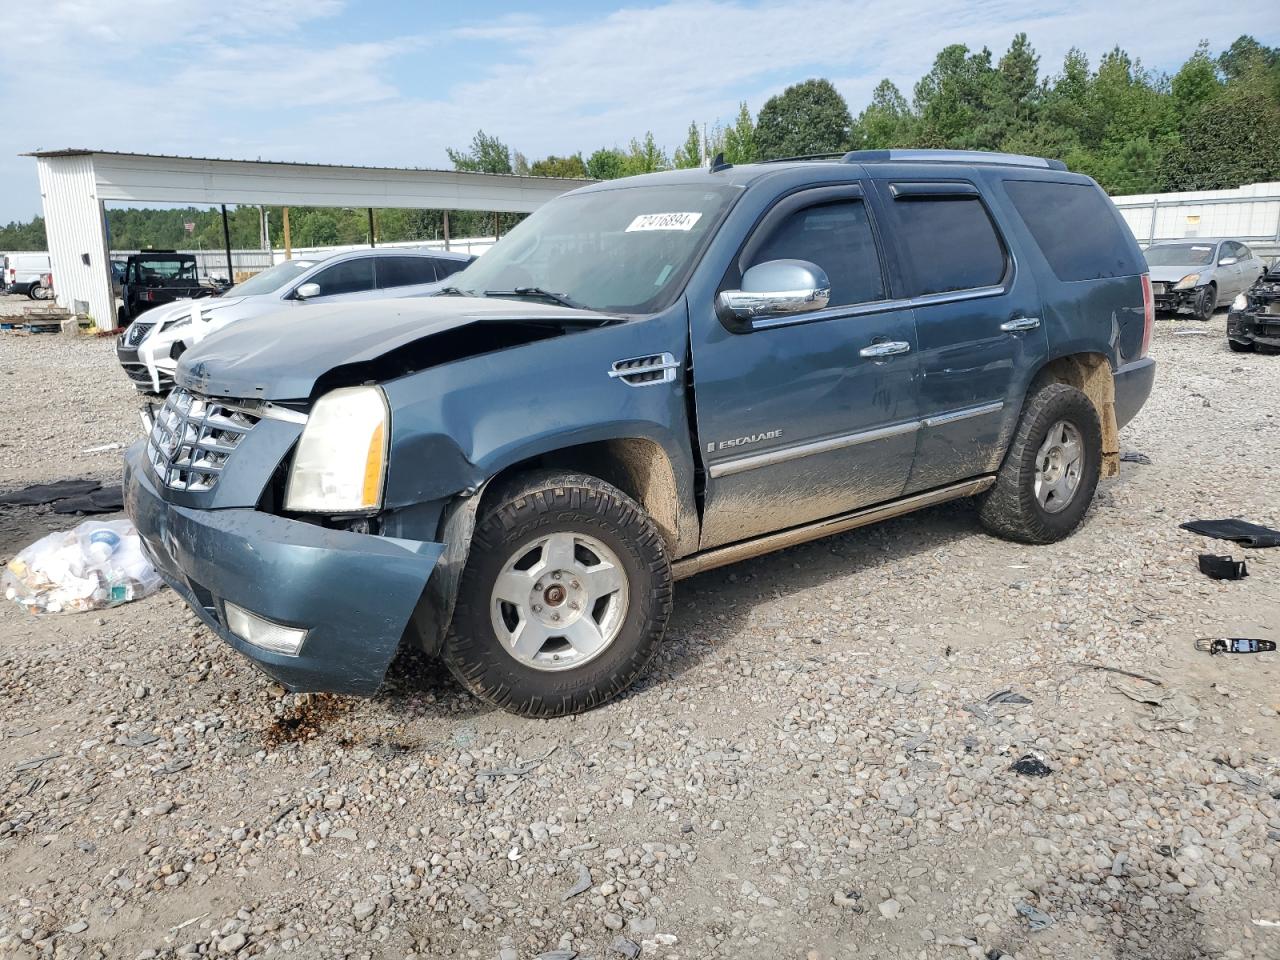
(1212, 124)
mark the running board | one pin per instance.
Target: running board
(722, 556)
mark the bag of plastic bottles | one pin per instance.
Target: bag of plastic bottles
(96, 565)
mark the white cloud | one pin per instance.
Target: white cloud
(278, 78)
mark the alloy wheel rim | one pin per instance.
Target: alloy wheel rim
(559, 601)
(1059, 467)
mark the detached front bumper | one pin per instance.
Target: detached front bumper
(1255, 327)
(353, 593)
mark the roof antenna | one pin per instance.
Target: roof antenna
(718, 163)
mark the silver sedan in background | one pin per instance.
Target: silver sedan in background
(1197, 275)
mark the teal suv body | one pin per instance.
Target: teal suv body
(646, 379)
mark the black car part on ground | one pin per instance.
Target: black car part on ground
(68, 496)
(1222, 567)
(1240, 531)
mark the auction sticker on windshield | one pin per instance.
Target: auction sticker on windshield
(664, 221)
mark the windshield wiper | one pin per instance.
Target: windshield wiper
(453, 292)
(539, 293)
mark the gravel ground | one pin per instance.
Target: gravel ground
(811, 770)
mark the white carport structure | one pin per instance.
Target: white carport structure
(76, 184)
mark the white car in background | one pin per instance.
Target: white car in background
(149, 348)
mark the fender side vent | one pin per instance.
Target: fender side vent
(643, 371)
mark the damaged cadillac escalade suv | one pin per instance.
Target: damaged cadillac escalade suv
(647, 378)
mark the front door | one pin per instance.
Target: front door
(809, 415)
(977, 321)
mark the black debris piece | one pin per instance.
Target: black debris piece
(106, 500)
(1216, 645)
(1038, 919)
(1222, 567)
(1007, 696)
(1134, 457)
(42, 493)
(1241, 531)
(1031, 766)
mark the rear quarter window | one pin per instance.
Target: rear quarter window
(1076, 228)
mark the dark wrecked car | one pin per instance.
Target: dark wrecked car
(646, 379)
(1254, 318)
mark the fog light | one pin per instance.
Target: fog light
(262, 632)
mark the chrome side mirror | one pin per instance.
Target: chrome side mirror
(776, 288)
(307, 291)
(1226, 261)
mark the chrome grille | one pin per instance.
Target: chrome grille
(136, 332)
(192, 438)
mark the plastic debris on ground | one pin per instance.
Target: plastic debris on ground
(1241, 531)
(1216, 645)
(1031, 766)
(1222, 567)
(96, 565)
(1038, 919)
(1135, 457)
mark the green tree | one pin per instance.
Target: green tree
(571, 166)
(1246, 52)
(954, 99)
(886, 121)
(1234, 139)
(738, 142)
(806, 118)
(689, 153)
(1196, 82)
(485, 155)
(645, 156)
(607, 163)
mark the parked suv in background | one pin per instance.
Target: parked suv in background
(645, 379)
(1197, 276)
(149, 349)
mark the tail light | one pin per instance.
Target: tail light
(1148, 315)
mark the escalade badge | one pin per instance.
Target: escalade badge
(743, 441)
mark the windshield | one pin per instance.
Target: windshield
(622, 250)
(167, 268)
(1180, 255)
(271, 279)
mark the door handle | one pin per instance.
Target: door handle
(888, 348)
(1020, 323)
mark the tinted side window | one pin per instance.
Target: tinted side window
(405, 271)
(949, 242)
(447, 268)
(1076, 229)
(351, 276)
(1244, 252)
(837, 237)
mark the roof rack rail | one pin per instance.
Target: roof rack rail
(951, 156)
(807, 156)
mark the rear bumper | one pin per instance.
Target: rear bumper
(1133, 385)
(1254, 328)
(353, 593)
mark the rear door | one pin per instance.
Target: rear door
(977, 317)
(405, 276)
(808, 415)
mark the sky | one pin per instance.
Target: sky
(395, 82)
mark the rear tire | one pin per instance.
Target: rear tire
(611, 596)
(1042, 493)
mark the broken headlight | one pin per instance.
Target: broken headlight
(1241, 302)
(342, 457)
(1187, 282)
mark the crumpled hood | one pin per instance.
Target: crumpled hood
(280, 355)
(1174, 274)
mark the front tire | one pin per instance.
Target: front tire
(1206, 302)
(1050, 472)
(564, 599)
